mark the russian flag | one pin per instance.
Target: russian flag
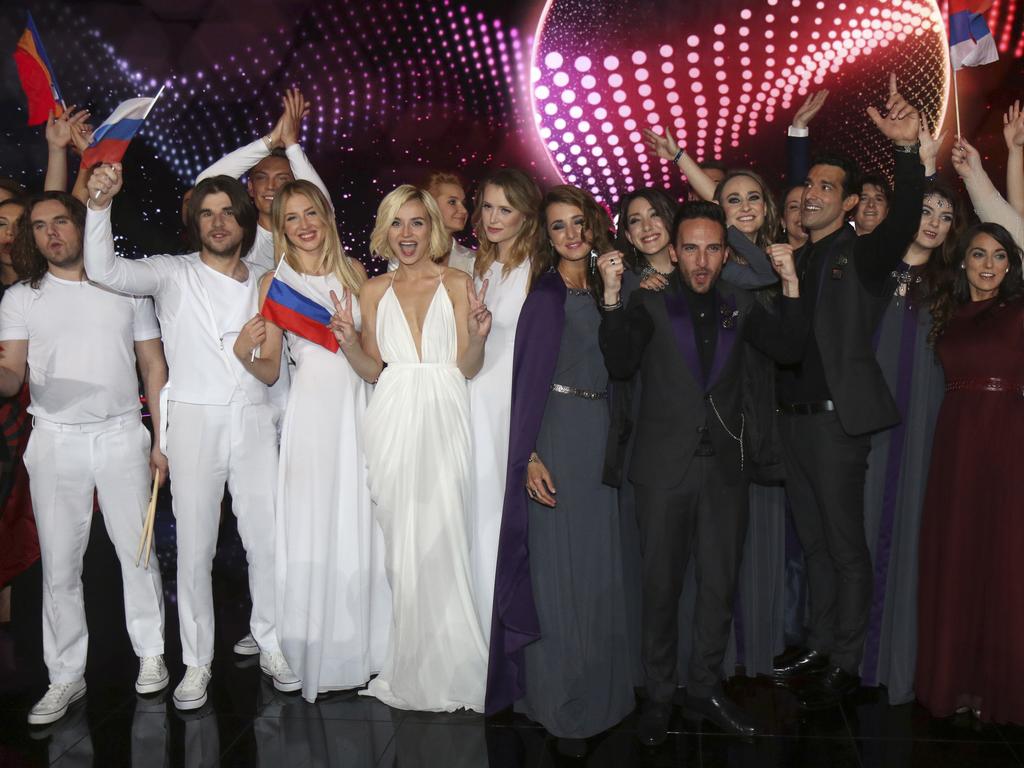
(970, 40)
(36, 75)
(110, 140)
(288, 307)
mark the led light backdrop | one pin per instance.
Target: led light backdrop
(562, 89)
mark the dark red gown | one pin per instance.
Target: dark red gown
(971, 601)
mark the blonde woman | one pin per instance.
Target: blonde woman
(332, 598)
(450, 195)
(505, 221)
(426, 323)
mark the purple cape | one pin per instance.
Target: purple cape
(514, 623)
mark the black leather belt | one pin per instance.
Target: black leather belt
(807, 409)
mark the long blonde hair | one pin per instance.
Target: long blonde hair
(523, 195)
(333, 259)
(440, 240)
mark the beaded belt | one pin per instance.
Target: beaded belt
(586, 394)
(984, 385)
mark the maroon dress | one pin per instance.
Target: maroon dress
(971, 601)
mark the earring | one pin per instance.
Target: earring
(962, 266)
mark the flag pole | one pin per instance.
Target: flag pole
(956, 100)
(153, 103)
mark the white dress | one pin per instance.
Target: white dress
(416, 434)
(333, 601)
(490, 411)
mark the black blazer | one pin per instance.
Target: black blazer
(655, 335)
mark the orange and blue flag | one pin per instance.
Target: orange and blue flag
(37, 78)
(970, 40)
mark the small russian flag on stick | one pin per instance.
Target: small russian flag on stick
(110, 140)
(970, 41)
(289, 308)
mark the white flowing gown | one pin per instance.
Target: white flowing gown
(490, 412)
(416, 434)
(333, 601)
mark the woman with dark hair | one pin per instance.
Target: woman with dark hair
(559, 636)
(971, 638)
(505, 222)
(898, 462)
(644, 217)
(789, 217)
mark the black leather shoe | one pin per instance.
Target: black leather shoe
(574, 748)
(801, 665)
(652, 729)
(723, 712)
(830, 690)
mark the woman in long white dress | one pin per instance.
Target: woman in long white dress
(505, 222)
(425, 322)
(332, 599)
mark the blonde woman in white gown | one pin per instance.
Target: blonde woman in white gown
(332, 599)
(427, 324)
(505, 222)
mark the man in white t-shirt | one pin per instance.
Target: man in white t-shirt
(221, 425)
(79, 344)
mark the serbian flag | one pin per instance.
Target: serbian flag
(36, 75)
(970, 40)
(289, 306)
(110, 140)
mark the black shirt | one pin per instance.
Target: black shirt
(703, 308)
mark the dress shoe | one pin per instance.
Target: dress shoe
(803, 664)
(574, 748)
(829, 690)
(652, 728)
(723, 712)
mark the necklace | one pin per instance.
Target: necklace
(573, 289)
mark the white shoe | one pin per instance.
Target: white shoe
(54, 705)
(191, 691)
(153, 675)
(247, 646)
(274, 664)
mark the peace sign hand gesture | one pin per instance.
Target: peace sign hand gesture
(479, 321)
(342, 325)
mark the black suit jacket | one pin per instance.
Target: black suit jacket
(655, 335)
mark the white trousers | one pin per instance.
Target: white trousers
(208, 446)
(65, 463)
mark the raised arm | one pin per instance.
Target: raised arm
(60, 132)
(756, 273)
(1013, 132)
(781, 337)
(987, 202)
(664, 145)
(476, 319)
(798, 142)
(141, 277)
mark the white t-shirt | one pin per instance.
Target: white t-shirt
(81, 347)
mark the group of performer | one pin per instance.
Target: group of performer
(484, 489)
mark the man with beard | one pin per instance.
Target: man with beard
(10, 211)
(79, 343)
(221, 424)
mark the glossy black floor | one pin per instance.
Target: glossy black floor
(247, 723)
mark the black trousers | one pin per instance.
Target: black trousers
(825, 470)
(703, 515)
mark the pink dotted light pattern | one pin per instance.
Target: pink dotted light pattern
(718, 78)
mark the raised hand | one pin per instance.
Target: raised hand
(611, 266)
(901, 122)
(1013, 127)
(252, 335)
(342, 324)
(781, 255)
(539, 484)
(479, 320)
(930, 145)
(810, 108)
(104, 183)
(61, 131)
(967, 161)
(665, 146)
(295, 109)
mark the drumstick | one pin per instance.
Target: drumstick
(147, 527)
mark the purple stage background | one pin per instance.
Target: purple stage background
(561, 88)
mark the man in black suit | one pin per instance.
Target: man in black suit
(835, 397)
(691, 457)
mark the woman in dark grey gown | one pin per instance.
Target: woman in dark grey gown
(578, 675)
(899, 459)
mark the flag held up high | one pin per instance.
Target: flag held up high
(110, 140)
(37, 77)
(970, 40)
(289, 307)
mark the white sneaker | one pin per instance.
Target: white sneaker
(274, 664)
(54, 705)
(247, 646)
(191, 691)
(153, 675)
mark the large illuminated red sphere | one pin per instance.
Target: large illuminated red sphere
(726, 78)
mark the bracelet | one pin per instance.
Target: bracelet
(611, 307)
(678, 155)
(912, 149)
(267, 142)
(533, 458)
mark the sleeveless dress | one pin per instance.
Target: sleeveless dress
(417, 440)
(333, 601)
(971, 626)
